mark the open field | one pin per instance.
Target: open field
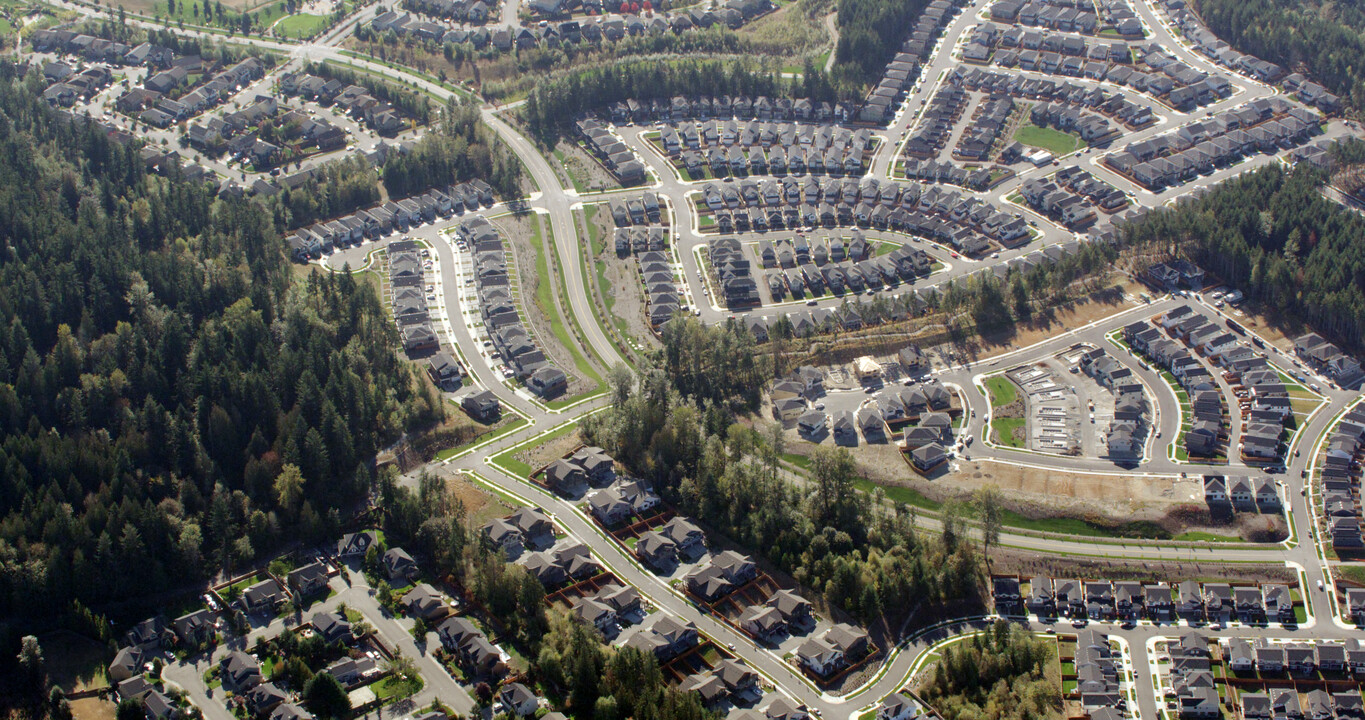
(225, 15)
(480, 505)
(1054, 141)
(300, 26)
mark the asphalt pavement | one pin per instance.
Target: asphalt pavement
(1301, 551)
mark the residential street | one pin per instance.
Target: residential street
(1305, 549)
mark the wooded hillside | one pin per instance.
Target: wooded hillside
(170, 398)
(1327, 41)
(1273, 235)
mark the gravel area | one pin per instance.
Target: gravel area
(622, 276)
(578, 164)
(517, 230)
(1007, 561)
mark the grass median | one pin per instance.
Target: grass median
(544, 299)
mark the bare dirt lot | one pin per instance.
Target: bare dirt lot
(1124, 502)
(620, 281)
(581, 171)
(1051, 491)
(93, 708)
(520, 236)
(1082, 312)
(1118, 496)
(480, 505)
(1007, 561)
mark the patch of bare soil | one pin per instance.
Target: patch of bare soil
(1117, 496)
(626, 306)
(93, 708)
(1010, 561)
(457, 429)
(540, 455)
(590, 174)
(479, 504)
(1279, 332)
(517, 230)
(628, 298)
(1174, 504)
(1097, 306)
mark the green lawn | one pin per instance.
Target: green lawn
(1001, 390)
(1004, 430)
(1054, 141)
(508, 458)
(394, 688)
(301, 26)
(1354, 573)
(234, 590)
(190, 13)
(1195, 536)
(545, 300)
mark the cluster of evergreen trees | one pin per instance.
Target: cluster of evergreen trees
(870, 34)
(681, 435)
(335, 188)
(1274, 236)
(465, 148)
(1327, 43)
(554, 105)
(1000, 675)
(169, 398)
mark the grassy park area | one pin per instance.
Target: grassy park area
(1054, 141)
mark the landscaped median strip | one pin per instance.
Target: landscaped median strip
(1000, 391)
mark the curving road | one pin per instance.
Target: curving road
(1303, 550)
